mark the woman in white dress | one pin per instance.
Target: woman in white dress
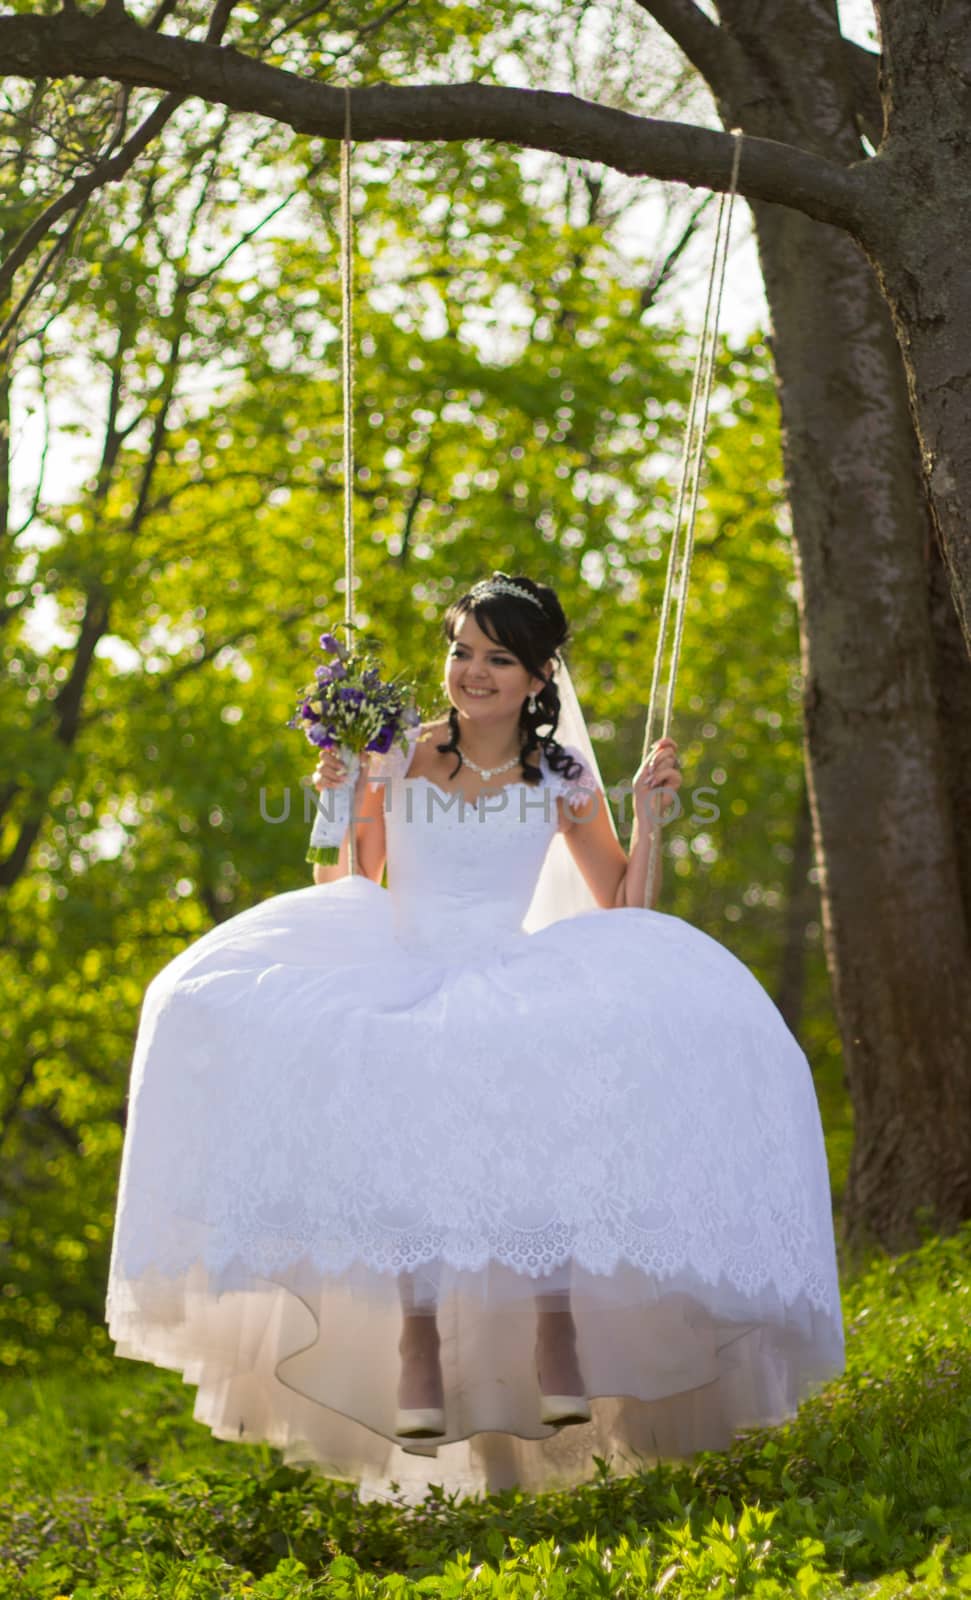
(475, 1178)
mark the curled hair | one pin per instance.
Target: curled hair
(533, 637)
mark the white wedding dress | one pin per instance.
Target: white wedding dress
(346, 1083)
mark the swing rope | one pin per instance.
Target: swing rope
(689, 486)
(347, 379)
(692, 459)
(347, 361)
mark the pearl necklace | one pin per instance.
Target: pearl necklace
(489, 772)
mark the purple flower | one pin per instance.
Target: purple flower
(383, 740)
(330, 708)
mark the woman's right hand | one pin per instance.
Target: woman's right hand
(330, 771)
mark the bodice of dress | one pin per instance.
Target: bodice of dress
(461, 876)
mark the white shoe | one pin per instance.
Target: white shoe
(559, 1410)
(419, 1422)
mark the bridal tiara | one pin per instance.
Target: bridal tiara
(503, 586)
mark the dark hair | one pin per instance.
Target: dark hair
(534, 637)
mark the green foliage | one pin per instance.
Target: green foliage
(113, 1491)
(517, 407)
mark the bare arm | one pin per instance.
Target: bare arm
(615, 879)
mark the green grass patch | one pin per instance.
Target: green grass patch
(111, 1490)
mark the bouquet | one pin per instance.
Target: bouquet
(349, 707)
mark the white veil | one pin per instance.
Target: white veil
(561, 890)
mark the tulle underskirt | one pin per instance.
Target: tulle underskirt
(310, 1364)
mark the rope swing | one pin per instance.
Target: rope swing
(689, 486)
(692, 458)
(347, 377)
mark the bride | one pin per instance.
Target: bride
(474, 1179)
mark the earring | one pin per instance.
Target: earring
(531, 703)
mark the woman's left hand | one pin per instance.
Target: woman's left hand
(661, 770)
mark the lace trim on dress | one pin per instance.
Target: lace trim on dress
(651, 1197)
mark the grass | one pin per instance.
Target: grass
(111, 1490)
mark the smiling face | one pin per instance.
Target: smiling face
(477, 663)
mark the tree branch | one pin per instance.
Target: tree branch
(8, 331)
(662, 270)
(369, 28)
(161, 13)
(297, 22)
(14, 863)
(864, 73)
(222, 11)
(710, 48)
(245, 238)
(111, 167)
(22, 1084)
(106, 171)
(45, 448)
(73, 43)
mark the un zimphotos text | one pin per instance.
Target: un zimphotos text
(431, 802)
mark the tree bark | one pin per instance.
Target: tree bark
(952, 676)
(73, 43)
(893, 915)
(802, 905)
(923, 273)
(894, 922)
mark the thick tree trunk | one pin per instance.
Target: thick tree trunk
(894, 920)
(924, 276)
(893, 914)
(918, 233)
(802, 907)
(953, 684)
